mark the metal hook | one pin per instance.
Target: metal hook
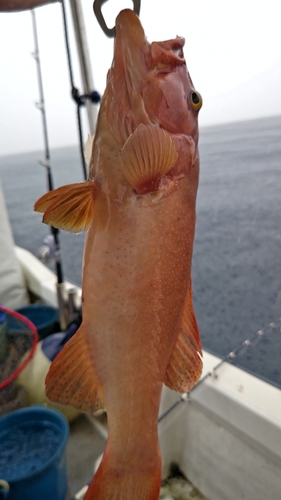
(110, 32)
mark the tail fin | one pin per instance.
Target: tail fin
(125, 481)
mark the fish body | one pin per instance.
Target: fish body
(138, 207)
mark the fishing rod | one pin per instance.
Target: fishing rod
(53, 240)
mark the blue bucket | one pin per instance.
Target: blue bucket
(42, 316)
(32, 454)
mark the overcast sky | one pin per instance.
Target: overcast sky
(233, 52)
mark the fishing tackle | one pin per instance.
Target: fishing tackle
(110, 32)
(47, 162)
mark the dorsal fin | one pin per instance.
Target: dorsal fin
(185, 365)
(72, 380)
(88, 149)
(69, 207)
(147, 155)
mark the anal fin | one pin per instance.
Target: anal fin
(72, 380)
(69, 207)
(185, 365)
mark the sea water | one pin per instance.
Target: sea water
(25, 449)
(237, 252)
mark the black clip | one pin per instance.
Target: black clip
(110, 32)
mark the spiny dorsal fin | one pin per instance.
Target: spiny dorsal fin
(147, 155)
(88, 149)
(69, 207)
(185, 365)
(72, 380)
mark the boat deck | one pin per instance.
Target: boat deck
(84, 446)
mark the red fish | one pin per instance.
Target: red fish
(138, 208)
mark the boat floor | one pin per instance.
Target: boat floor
(84, 447)
(86, 444)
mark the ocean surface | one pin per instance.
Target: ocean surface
(237, 252)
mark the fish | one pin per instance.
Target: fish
(138, 209)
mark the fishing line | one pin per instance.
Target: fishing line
(230, 357)
(94, 97)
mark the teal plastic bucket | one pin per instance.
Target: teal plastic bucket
(32, 454)
(42, 316)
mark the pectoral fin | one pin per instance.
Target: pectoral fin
(185, 365)
(72, 380)
(147, 156)
(69, 207)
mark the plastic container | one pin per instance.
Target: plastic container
(42, 316)
(32, 454)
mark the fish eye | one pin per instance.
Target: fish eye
(196, 100)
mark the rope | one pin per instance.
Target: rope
(80, 100)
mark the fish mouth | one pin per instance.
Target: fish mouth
(137, 65)
(166, 56)
(128, 24)
(123, 101)
(132, 45)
